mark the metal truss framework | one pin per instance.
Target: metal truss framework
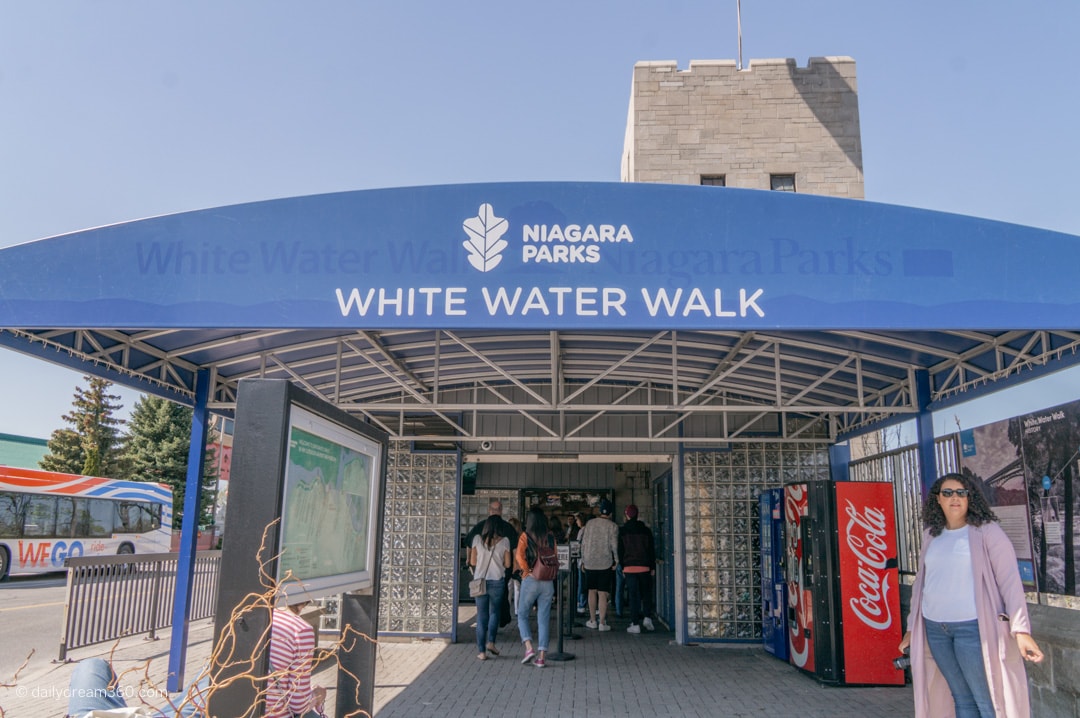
(437, 384)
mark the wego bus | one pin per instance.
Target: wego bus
(46, 517)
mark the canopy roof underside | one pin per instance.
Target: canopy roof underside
(436, 384)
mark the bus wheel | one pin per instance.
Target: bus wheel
(126, 549)
(5, 562)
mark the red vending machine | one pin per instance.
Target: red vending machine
(843, 594)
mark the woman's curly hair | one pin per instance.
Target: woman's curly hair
(979, 511)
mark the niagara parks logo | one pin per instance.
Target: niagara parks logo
(485, 243)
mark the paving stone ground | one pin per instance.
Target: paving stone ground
(612, 674)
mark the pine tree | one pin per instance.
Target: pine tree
(159, 434)
(91, 444)
(65, 453)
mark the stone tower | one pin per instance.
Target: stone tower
(772, 126)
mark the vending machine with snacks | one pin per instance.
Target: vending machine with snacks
(844, 620)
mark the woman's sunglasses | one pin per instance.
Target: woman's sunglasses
(948, 493)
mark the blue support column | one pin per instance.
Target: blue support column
(924, 431)
(189, 533)
(678, 537)
(839, 462)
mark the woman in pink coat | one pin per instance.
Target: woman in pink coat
(969, 628)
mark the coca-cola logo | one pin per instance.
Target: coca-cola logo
(866, 533)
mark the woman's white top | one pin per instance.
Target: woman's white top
(949, 587)
(496, 571)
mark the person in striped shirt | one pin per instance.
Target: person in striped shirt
(289, 692)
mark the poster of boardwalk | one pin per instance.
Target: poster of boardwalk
(1029, 465)
(990, 457)
(1051, 439)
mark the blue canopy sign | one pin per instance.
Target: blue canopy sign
(548, 256)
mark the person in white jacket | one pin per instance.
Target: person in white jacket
(599, 556)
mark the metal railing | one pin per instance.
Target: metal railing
(900, 467)
(109, 597)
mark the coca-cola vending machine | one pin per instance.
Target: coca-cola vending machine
(843, 599)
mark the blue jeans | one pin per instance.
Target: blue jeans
(92, 689)
(957, 651)
(540, 593)
(487, 613)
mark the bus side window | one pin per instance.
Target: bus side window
(125, 517)
(66, 517)
(146, 516)
(81, 525)
(133, 517)
(12, 511)
(101, 518)
(40, 517)
(155, 516)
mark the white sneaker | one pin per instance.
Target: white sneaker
(605, 627)
(634, 628)
(648, 624)
(590, 624)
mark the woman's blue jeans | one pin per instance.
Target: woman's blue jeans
(487, 613)
(92, 688)
(957, 651)
(540, 593)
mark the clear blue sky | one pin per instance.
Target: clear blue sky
(112, 111)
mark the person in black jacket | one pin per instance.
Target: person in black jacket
(495, 508)
(637, 556)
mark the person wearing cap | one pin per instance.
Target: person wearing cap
(599, 555)
(637, 556)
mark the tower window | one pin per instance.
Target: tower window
(714, 180)
(782, 183)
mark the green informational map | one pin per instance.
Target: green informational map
(327, 503)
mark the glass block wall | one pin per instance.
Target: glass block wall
(723, 557)
(475, 508)
(420, 534)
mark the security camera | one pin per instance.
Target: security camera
(486, 446)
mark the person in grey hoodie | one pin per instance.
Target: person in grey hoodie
(599, 555)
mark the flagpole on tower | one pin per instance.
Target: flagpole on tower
(738, 21)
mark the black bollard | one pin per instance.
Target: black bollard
(571, 610)
(559, 655)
